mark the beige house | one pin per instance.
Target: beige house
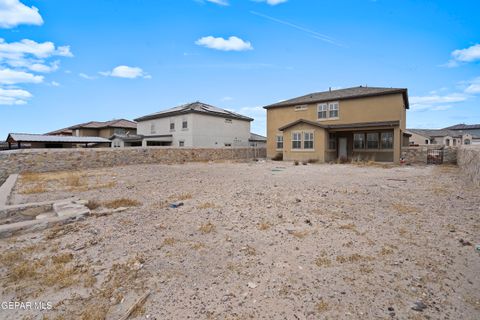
(363, 123)
(104, 129)
(449, 138)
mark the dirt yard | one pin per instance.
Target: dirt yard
(260, 240)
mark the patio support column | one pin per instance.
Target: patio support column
(397, 145)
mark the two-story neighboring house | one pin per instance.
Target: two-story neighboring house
(104, 129)
(195, 124)
(364, 123)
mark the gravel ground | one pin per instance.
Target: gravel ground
(264, 240)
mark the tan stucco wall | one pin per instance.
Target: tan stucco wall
(370, 109)
(319, 140)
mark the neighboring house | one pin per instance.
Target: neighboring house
(104, 129)
(126, 140)
(257, 141)
(471, 129)
(450, 136)
(364, 123)
(195, 125)
(33, 141)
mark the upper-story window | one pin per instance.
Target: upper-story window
(328, 110)
(322, 111)
(301, 108)
(172, 125)
(152, 128)
(333, 110)
(228, 120)
(184, 124)
(466, 141)
(119, 131)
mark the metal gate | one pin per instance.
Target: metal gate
(434, 156)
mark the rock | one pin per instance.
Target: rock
(465, 242)
(68, 208)
(269, 206)
(252, 285)
(297, 200)
(419, 306)
(176, 205)
(46, 215)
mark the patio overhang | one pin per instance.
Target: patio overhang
(344, 127)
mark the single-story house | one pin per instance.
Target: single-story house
(34, 141)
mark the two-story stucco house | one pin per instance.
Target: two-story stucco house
(195, 125)
(363, 123)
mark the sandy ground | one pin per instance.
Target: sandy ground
(266, 240)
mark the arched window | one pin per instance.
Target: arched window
(447, 142)
(466, 141)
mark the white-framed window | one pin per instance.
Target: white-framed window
(308, 140)
(301, 108)
(386, 140)
(358, 141)
(332, 141)
(181, 143)
(152, 128)
(279, 142)
(172, 125)
(333, 110)
(228, 120)
(296, 140)
(322, 111)
(184, 124)
(372, 140)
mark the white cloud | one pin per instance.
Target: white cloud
(44, 68)
(126, 72)
(219, 2)
(227, 98)
(474, 88)
(55, 83)
(14, 96)
(9, 76)
(272, 2)
(14, 13)
(437, 99)
(470, 54)
(231, 44)
(86, 76)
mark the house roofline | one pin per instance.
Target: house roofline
(181, 112)
(403, 91)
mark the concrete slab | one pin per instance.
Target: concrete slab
(8, 230)
(6, 189)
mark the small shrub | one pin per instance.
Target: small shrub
(92, 204)
(304, 163)
(278, 157)
(322, 306)
(122, 202)
(295, 162)
(38, 188)
(207, 228)
(206, 205)
(312, 160)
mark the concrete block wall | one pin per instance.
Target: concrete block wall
(469, 162)
(418, 155)
(45, 160)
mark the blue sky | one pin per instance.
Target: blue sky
(67, 62)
